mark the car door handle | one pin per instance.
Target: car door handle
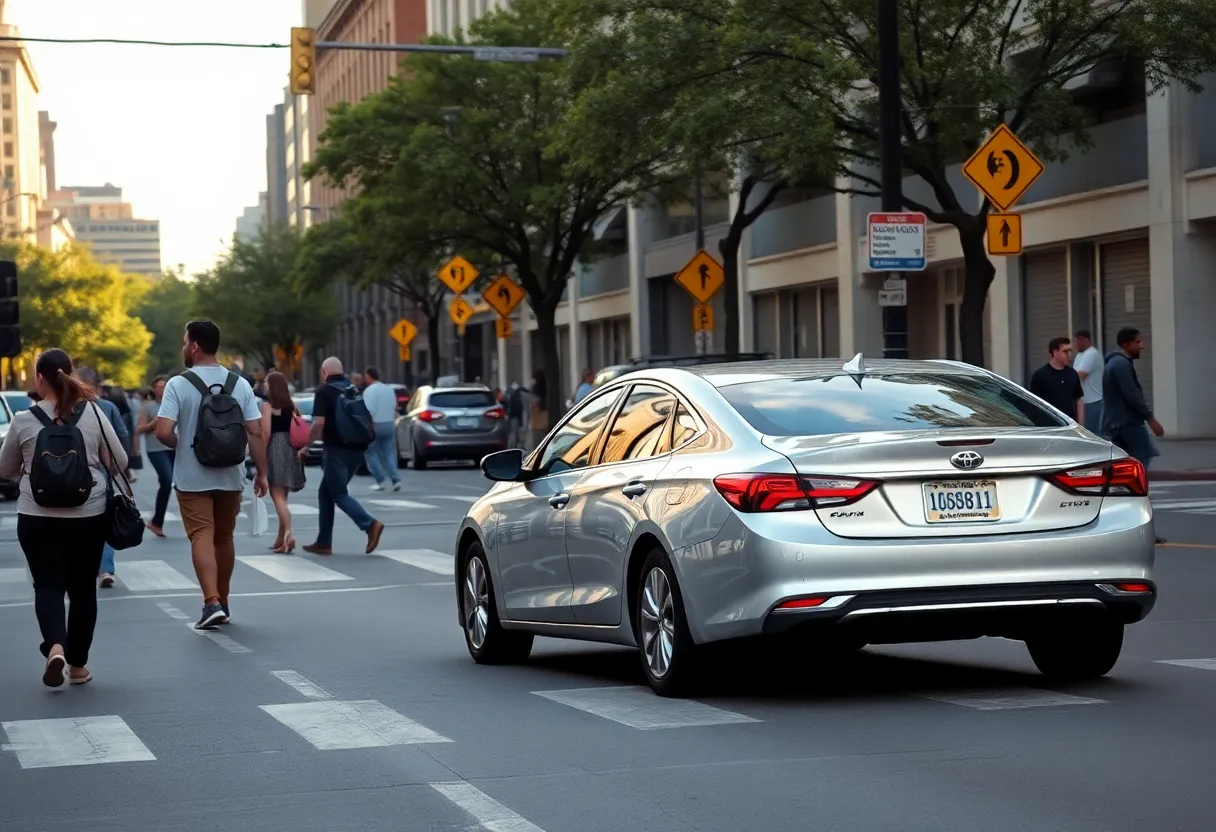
(634, 489)
(559, 500)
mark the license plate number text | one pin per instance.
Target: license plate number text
(961, 501)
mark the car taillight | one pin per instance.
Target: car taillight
(1121, 478)
(789, 492)
(430, 415)
(803, 603)
(495, 413)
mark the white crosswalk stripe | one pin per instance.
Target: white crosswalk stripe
(639, 708)
(333, 725)
(152, 576)
(400, 504)
(291, 570)
(170, 517)
(428, 559)
(1197, 664)
(76, 741)
(15, 584)
(1002, 700)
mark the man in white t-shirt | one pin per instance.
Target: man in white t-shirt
(1089, 365)
(209, 497)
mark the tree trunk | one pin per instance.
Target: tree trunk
(978, 274)
(728, 247)
(432, 340)
(551, 362)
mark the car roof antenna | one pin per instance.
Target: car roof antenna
(856, 369)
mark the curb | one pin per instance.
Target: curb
(1181, 476)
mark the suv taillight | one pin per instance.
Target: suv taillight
(1121, 478)
(495, 413)
(789, 492)
(430, 415)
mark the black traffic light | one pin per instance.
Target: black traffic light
(10, 312)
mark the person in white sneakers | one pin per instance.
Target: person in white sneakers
(381, 402)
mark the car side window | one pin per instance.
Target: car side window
(574, 442)
(684, 427)
(639, 430)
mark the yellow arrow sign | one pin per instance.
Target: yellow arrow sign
(703, 318)
(502, 327)
(403, 332)
(702, 277)
(1003, 168)
(403, 352)
(504, 294)
(458, 274)
(460, 311)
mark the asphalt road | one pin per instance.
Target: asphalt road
(341, 697)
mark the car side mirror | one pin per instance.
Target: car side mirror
(505, 466)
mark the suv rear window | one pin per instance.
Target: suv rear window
(462, 398)
(913, 401)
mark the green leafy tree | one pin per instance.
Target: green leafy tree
(473, 143)
(69, 300)
(682, 77)
(251, 294)
(165, 309)
(966, 67)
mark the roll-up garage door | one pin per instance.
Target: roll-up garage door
(764, 321)
(1045, 305)
(829, 300)
(1126, 301)
(806, 323)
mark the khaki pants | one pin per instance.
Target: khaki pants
(210, 521)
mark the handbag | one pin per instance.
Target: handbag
(297, 436)
(126, 525)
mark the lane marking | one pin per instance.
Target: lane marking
(292, 570)
(215, 635)
(302, 685)
(430, 560)
(336, 725)
(488, 812)
(1003, 700)
(300, 510)
(8, 522)
(1198, 664)
(325, 591)
(458, 498)
(76, 741)
(1186, 546)
(639, 708)
(152, 576)
(170, 517)
(400, 504)
(15, 583)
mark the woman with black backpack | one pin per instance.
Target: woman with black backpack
(59, 448)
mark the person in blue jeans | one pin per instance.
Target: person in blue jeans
(381, 403)
(160, 456)
(339, 464)
(105, 575)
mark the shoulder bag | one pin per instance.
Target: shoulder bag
(298, 434)
(126, 525)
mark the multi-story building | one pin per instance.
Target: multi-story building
(276, 166)
(296, 154)
(22, 184)
(249, 223)
(46, 150)
(110, 228)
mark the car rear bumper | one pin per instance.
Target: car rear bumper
(733, 584)
(436, 445)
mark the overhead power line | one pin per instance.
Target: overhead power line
(479, 52)
(127, 41)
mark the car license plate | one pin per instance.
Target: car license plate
(961, 501)
(466, 423)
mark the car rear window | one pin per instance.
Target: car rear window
(462, 398)
(304, 406)
(839, 404)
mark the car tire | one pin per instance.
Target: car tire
(670, 659)
(1078, 654)
(417, 460)
(484, 636)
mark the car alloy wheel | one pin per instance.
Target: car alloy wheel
(658, 624)
(476, 603)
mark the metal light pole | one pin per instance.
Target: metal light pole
(890, 151)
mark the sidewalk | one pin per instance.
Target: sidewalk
(1185, 459)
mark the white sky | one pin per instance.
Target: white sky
(182, 131)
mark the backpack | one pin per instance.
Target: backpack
(219, 433)
(60, 476)
(352, 419)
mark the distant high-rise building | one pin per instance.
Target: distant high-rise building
(22, 185)
(108, 225)
(249, 224)
(276, 166)
(296, 154)
(46, 141)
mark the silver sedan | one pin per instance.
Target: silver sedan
(897, 502)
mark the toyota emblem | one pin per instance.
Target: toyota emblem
(967, 460)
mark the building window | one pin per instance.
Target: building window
(8, 127)
(10, 209)
(8, 172)
(8, 149)
(6, 101)
(5, 77)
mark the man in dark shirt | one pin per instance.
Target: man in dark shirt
(338, 465)
(1057, 383)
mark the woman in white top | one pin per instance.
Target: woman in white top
(63, 545)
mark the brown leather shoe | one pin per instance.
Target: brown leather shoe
(373, 536)
(314, 549)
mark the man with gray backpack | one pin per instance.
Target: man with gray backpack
(210, 414)
(341, 420)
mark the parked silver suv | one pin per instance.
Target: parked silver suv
(451, 423)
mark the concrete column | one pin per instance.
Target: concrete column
(1182, 257)
(639, 226)
(525, 347)
(747, 337)
(860, 316)
(575, 360)
(1005, 318)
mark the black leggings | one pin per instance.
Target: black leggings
(64, 555)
